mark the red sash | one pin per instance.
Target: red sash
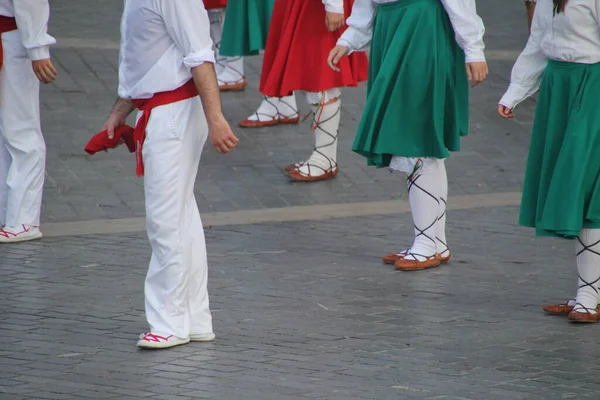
(7, 24)
(187, 91)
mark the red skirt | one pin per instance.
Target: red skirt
(297, 48)
(211, 4)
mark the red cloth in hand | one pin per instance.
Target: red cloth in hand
(100, 141)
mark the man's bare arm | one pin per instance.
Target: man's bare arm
(220, 133)
(205, 79)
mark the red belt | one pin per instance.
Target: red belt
(7, 24)
(187, 91)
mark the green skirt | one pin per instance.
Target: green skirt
(561, 192)
(246, 26)
(418, 94)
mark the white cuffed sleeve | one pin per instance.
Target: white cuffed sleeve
(334, 6)
(187, 23)
(32, 21)
(468, 28)
(528, 69)
(360, 26)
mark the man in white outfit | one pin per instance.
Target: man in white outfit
(25, 56)
(166, 60)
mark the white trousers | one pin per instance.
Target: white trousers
(176, 283)
(22, 147)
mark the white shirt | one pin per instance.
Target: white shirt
(468, 27)
(334, 6)
(161, 40)
(32, 21)
(572, 36)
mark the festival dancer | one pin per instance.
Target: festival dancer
(230, 70)
(161, 73)
(24, 63)
(417, 102)
(561, 192)
(295, 59)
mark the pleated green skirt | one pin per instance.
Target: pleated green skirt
(246, 27)
(418, 94)
(561, 193)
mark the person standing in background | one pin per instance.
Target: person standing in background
(230, 70)
(423, 52)
(561, 190)
(24, 62)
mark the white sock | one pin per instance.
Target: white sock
(275, 107)
(423, 196)
(326, 124)
(228, 69)
(588, 268)
(440, 235)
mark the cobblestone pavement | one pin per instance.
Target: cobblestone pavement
(302, 309)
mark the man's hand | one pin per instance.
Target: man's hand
(44, 70)
(118, 116)
(505, 112)
(477, 72)
(335, 55)
(221, 136)
(334, 21)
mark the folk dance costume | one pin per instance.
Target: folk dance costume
(417, 103)
(296, 59)
(230, 70)
(246, 28)
(23, 25)
(561, 194)
(154, 73)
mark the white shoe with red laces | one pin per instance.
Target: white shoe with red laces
(151, 340)
(21, 233)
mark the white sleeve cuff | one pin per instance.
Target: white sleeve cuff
(514, 96)
(39, 53)
(342, 42)
(334, 9)
(198, 58)
(475, 56)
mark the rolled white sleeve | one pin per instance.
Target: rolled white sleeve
(32, 21)
(528, 70)
(187, 23)
(360, 26)
(334, 6)
(468, 28)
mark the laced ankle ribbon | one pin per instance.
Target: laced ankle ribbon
(317, 124)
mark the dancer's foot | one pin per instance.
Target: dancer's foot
(233, 86)
(393, 257)
(202, 337)
(417, 262)
(21, 233)
(560, 309)
(273, 111)
(307, 174)
(151, 340)
(581, 314)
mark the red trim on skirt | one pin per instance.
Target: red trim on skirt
(297, 48)
(211, 4)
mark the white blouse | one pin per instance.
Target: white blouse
(468, 27)
(32, 21)
(161, 40)
(334, 6)
(572, 36)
